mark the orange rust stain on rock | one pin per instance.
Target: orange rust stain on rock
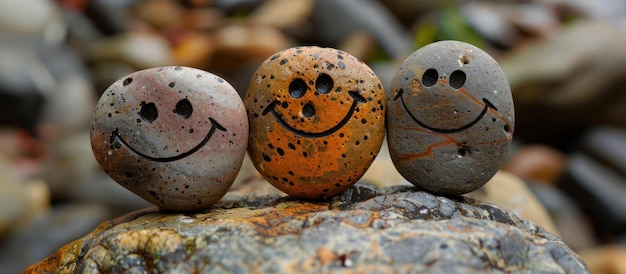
(65, 256)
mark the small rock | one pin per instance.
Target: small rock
(206, 18)
(494, 26)
(22, 90)
(175, 136)
(363, 230)
(538, 163)
(159, 13)
(559, 93)
(576, 230)
(316, 120)
(511, 193)
(73, 176)
(139, 49)
(282, 14)
(30, 17)
(608, 146)
(48, 232)
(337, 19)
(237, 45)
(532, 18)
(193, 49)
(450, 118)
(607, 259)
(20, 199)
(110, 17)
(599, 191)
(360, 44)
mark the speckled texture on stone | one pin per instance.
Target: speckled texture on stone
(175, 136)
(450, 118)
(362, 230)
(317, 120)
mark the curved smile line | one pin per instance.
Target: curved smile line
(214, 125)
(447, 131)
(357, 99)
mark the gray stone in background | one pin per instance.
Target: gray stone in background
(574, 228)
(337, 19)
(599, 190)
(608, 146)
(364, 230)
(88, 182)
(47, 232)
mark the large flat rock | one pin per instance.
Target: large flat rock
(362, 230)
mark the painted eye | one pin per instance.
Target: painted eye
(183, 108)
(297, 88)
(457, 79)
(429, 78)
(324, 83)
(148, 112)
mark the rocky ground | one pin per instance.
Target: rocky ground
(565, 171)
(363, 230)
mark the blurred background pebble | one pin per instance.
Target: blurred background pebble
(564, 59)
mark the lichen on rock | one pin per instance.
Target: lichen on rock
(364, 229)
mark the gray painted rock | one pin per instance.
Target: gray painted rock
(363, 230)
(450, 118)
(316, 120)
(175, 136)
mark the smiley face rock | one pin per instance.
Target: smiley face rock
(450, 118)
(175, 136)
(316, 120)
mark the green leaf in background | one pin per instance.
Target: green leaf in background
(426, 34)
(455, 27)
(447, 24)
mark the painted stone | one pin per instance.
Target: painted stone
(450, 118)
(316, 120)
(176, 136)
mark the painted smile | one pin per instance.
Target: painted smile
(116, 138)
(354, 94)
(441, 130)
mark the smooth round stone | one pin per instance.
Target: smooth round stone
(316, 120)
(450, 118)
(176, 136)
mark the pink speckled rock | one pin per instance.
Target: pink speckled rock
(176, 136)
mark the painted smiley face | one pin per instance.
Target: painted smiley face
(456, 81)
(450, 119)
(175, 136)
(149, 113)
(309, 108)
(323, 85)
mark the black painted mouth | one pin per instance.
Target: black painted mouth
(214, 125)
(357, 99)
(442, 130)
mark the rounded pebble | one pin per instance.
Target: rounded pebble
(450, 118)
(316, 120)
(176, 136)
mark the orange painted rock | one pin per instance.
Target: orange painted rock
(176, 136)
(450, 118)
(316, 120)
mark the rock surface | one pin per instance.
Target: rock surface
(362, 230)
